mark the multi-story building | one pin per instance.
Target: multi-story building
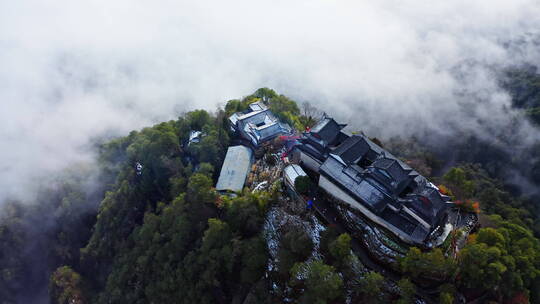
(358, 172)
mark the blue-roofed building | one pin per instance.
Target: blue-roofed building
(235, 169)
(258, 124)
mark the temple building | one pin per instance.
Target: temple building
(358, 172)
(258, 124)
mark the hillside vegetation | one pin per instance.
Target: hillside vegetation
(163, 235)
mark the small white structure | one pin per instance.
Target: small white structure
(195, 137)
(139, 168)
(290, 173)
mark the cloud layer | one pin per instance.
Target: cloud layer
(72, 71)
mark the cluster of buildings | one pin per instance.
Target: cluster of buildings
(254, 126)
(358, 172)
(257, 124)
(351, 168)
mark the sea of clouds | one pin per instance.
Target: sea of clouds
(74, 71)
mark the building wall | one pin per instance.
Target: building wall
(341, 195)
(419, 219)
(332, 189)
(309, 162)
(289, 185)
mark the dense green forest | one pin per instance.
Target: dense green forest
(161, 234)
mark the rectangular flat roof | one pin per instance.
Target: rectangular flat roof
(293, 171)
(235, 169)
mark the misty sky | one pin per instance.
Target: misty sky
(73, 71)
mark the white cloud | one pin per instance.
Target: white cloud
(74, 70)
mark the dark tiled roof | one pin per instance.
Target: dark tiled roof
(352, 149)
(378, 182)
(317, 153)
(327, 130)
(258, 124)
(369, 191)
(429, 204)
(399, 221)
(394, 170)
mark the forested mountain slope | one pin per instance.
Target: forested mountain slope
(161, 234)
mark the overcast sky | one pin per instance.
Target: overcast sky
(71, 71)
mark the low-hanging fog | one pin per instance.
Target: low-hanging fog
(73, 71)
